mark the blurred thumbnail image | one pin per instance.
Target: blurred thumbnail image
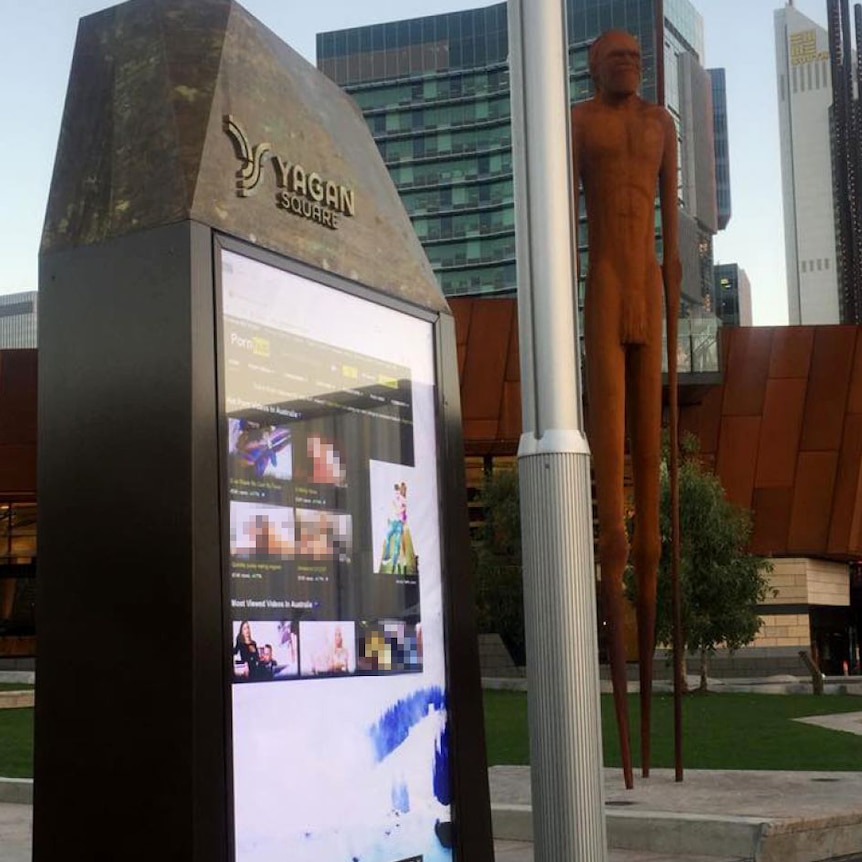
(325, 462)
(389, 646)
(324, 535)
(261, 532)
(255, 658)
(394, 551)
(286, 648)
(260, 449)
(264, 650)
(327, 648)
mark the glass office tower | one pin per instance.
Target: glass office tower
(435, 94)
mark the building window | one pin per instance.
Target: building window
(17, 576)
(804, 266)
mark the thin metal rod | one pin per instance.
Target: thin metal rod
(676, 589)
(673, 422)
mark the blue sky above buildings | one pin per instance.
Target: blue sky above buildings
(36, 46)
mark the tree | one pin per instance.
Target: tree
(722, 584)
(499, 574)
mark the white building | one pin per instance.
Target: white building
(804, 98)
(18, 313)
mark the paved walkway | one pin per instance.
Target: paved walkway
(522, 851)
(849, 722)
(737, 793)
(16, 825)
(781, 802)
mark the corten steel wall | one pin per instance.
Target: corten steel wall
(783, 432)
(486, 331)
(17, 424)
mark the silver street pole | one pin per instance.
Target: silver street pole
(553, 458)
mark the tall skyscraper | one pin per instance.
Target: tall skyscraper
(804, 101)
(435, 94)
(846, 132)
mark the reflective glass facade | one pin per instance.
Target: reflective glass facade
(435, 94)
(734, 295)
(588, 18)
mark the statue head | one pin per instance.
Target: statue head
(615, 63)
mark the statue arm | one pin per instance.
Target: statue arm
(671, 265)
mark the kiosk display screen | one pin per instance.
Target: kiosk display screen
(340, 732)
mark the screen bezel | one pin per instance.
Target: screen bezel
(327, 279)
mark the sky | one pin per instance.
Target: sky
(38, 36)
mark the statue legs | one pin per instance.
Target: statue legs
(619, 374)
(606, 391)
(644, 390)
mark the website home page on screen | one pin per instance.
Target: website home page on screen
(340, 734)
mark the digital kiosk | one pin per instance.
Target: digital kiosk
(256, 635)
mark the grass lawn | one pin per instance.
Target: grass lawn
(16, 743)
(721, 731)
(15, 686)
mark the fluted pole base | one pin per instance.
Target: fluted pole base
(562, 655)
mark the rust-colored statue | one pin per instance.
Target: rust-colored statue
(623, 149)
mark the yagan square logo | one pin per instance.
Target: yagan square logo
(301, 192)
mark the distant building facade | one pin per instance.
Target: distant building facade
(733, 295)
(435, 94)
(18, 315)
(846, 155)
(18, 402)
(722, 146)
(697, 172)
(779, 431)
(804, 102)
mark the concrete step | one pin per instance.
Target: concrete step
(736, 838)
(17, 699)
(756, 816)
(16, 791)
